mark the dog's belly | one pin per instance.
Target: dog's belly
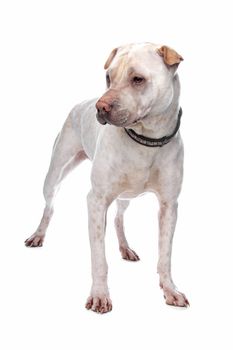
(127, 195)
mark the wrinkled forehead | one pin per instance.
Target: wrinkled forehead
(132, 59)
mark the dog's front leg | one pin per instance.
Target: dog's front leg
(167, 223)
(99, 300)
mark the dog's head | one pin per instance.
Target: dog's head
(139, 83)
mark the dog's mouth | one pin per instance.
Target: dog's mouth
(118, 120)
(101, 119)
(138, 120)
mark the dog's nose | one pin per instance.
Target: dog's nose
(103, 107)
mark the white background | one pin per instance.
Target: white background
(52, 56)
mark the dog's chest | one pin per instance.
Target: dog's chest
(125, 170)
(134, 180)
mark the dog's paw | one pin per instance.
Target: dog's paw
(129, 254)
(34, 241)
(175, 298)
(99, 304)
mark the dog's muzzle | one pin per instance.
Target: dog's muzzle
(103, 111)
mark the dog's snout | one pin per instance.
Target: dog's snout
(103, 111)
(103, 107)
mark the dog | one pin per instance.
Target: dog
(131, 134)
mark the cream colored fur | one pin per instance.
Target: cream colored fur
(123, 169)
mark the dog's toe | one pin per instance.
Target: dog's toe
(99, 304)
(129, 254)
(175, 298)
(34, 241)
(89, 303)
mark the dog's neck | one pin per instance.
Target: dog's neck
(162, 124)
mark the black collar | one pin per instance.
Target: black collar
(149, 142)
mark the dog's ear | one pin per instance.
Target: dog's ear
(170, 56)
(110, 58)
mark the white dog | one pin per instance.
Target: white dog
(135, 147)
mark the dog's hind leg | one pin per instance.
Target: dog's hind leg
(67, 154)
(126, 252)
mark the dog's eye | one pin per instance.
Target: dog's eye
(108, 80)
(138, 80)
